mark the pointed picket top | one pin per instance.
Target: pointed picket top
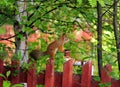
(86, 75)
(67, 73)
(49, 73)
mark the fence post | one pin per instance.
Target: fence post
(67, 74)
(31, 75)
(86, 74)
(49, 73)
(15, 72)
(1, 72)
(105, 77)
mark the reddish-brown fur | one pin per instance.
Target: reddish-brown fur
(51, 49)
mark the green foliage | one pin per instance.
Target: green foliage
(43, 44)
(16, 57)
(6, 76)
(77, 69)
(40, 85)
(97, 79)
(17, 85)
(7, 13)
(79, 2)
(2, 30)
(78, 50)
(107, 84)
(7, 83)
(114, 74)
(42, 61)
(102, 2)
(93, 3)
(25, 66)
(3, 52)
(41, 64)
(59, 62)
(58, 16)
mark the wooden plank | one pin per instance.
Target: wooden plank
(67, 74)
(31, 76)
(76, 80)
(15, 72)
(1, 72)
(105, 77)
(115, 83)
(49, 73)
(86, 75)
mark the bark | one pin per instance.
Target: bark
(21, 43)
(116, 31)
(99, 34)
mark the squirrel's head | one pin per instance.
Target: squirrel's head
(64, 38)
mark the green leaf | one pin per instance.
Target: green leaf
(106, 84)
(18, 85)
(37, 23)
(92, 2)
(79, 2)
(101, 85)
(6, 83)
(97, 79)
(102, 3)
(8, 73)
(1, 75)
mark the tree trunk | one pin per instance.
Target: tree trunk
(21, 42)
(99, 34)
(116, 31)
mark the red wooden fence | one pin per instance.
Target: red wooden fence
(57, 79)
(49, 74)
(1, 71)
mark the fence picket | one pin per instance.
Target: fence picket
(1, 72)
(31, 76)
(86, 75)
(49, 73)
(66, 78)
(67, 74)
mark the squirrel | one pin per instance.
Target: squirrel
(51, 49)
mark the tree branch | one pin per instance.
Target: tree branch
(4, 14)
(110, 8)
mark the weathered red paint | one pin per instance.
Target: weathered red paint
(58, 79)
(84, 80)
(23, 76)
(31, 76)
(41, 78)
(49, 73)
(76, 80)
(86, 75)
(115, 83)
(1, 72)
(94, 83)
(67, 74)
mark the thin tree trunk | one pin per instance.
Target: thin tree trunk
(116, 31)
(99, 34)
(21, 43)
